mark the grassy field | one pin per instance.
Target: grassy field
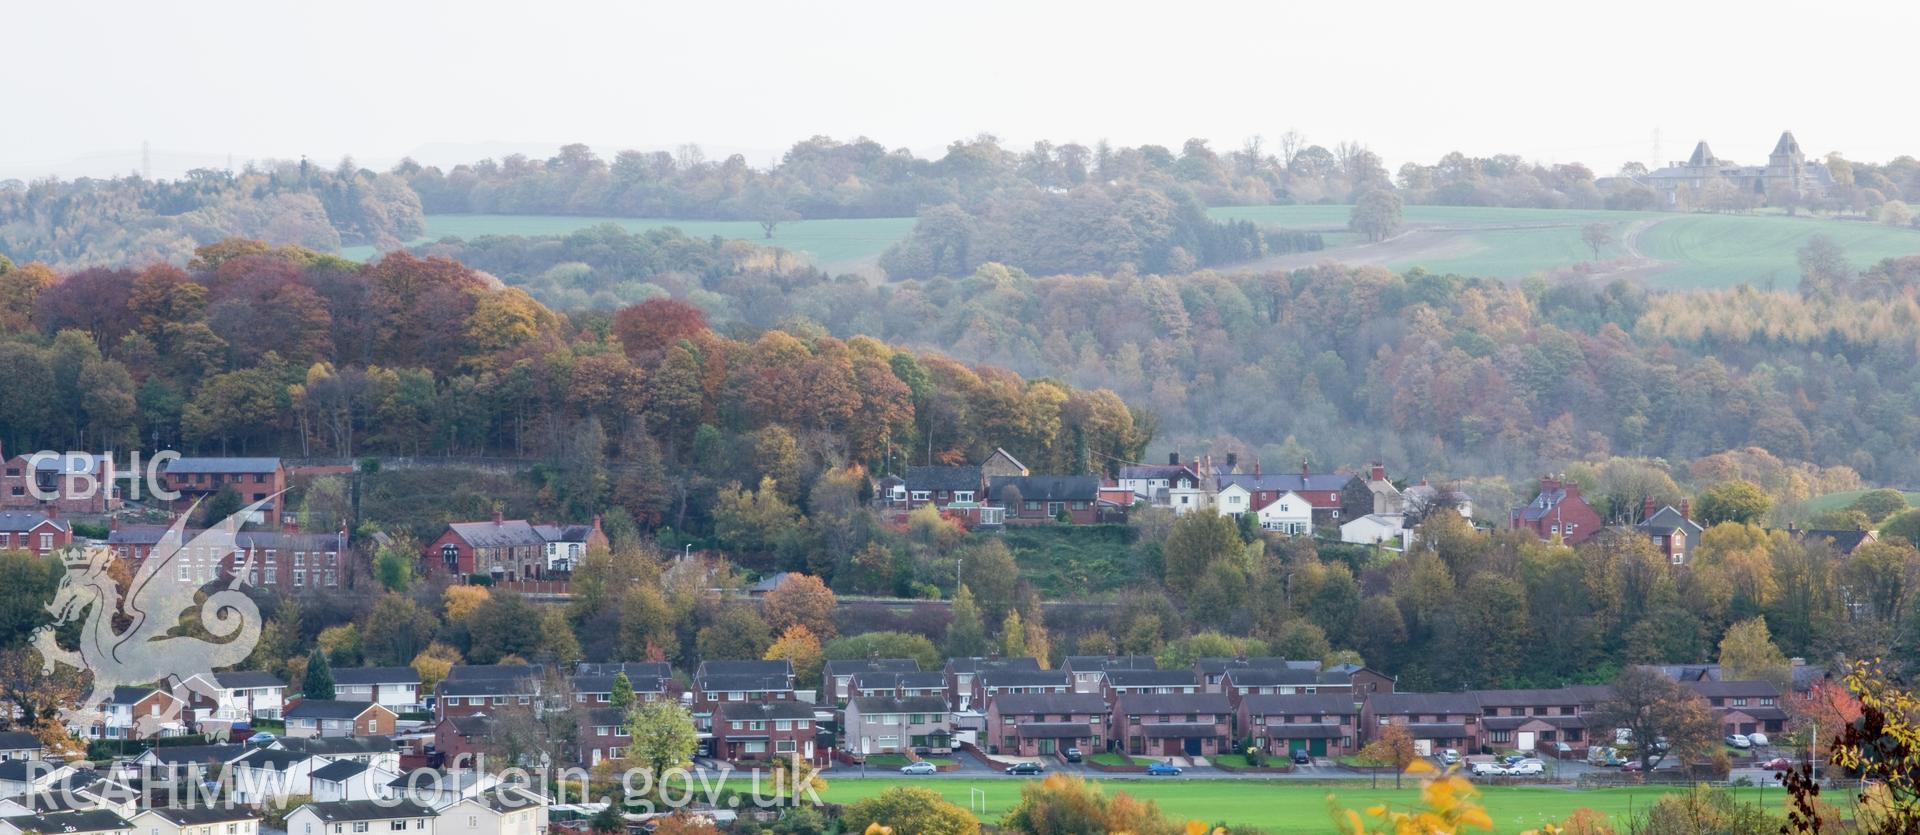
(1066, 560)
(1719, 250)
(1840, 500)
(832, 244)
(1335, 216)
(1277, 806)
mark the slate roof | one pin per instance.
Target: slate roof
(1702, 156)
(376, 675)
(22, 521)
(223, 466)
(870, 665)
(564, 533)
(735, 668)
(742, 683)
(337, 746)
(1270, 677)
(203, 815)
(1011, 704)
(80, 820)
(979, 665)
(912, 704)
(1217, 666)
(657, 669)
(124, 695)
(21, 771)
(1055, 730)
(1090, 663)
(1543, 504)
(328, 709)
(487, 687)
(1424, 703)
(1736, 689)
(369, 810)
(943, 478)
(18, 740)
(187, 754)
(1164, 704)
(604, 684)
(250, 679)
(1026, 678)
(1437, 731)
(1842, 542)
(340, 771)
(508, 533)
(772, 710)
(1318, 704)
(1151, 678)
(922, 681)
(1667, 520)
(1283, 482)
(1148, 472)
(494, 671)
(1047, 488)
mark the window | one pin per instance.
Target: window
(963, 495)
(46, 542)
(621, 730)
(921, 495)
(360, 826)
(783, 725)
(784, 746)
(401, 826)
(299, 577)
(757, 725)
(299, 558)
(473, 821)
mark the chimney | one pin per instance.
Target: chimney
(1378, 473)
(1646, 508)
(1256, 465)
(53, 511)
(1173, 459)
(1233, 461)
(1686, 508)
(596, 521)
(290, 523)
(497, 518)
(1303, 470)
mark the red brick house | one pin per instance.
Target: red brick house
(253, 479)
(65, 480)
(1744, 707)
(459, 739)
(604, 735)
(746, 732)
(1324, 491)
(503, 549)
(898, 685)
(1172, 724)
(1538, 720)
(718, 683)
(836, 679)
(1323, 725)
(286, 561)
(1041, 499)
(37, 532)
(960, 673)
(991, 683)
(1045, 724)
(334, 717)
(486, 690)
(1437, 721)
(1557, 510)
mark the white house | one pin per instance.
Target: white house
(1233, 500)
(440, 789)
(394, 688)
(350, 780)
(1387, 529)
(1420, 495)
(75, 791)
(510, 811)
(135, 713)
(1290, 514)
(20, 745)
(359, 817)
(376, 751)
(239, 696)
(23, 777)
(216, 819)
(267, 773)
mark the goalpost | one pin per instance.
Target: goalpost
(977, 801)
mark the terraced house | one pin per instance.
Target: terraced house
(755, 732)
(1321, 724)
(888, 724)
(1043, 724)
(1172, 724)
(836, 678)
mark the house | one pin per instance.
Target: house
(1321, 724)
(1842, 543)
(1436, 721)
(1388, 530)
(24, 777)
(1045, 724)
(1557, 512)
(347, 817)
(1089, 671)
(1290, 514)
(763, 731)
(337, 717)
(266, 773)
(137, 713)
(1172, 724)
(890, 724)
(900, 685)
(37, 532)
(941, 486)
(990, 683)
(604, 735)
(1045, 498)
(508, 811)
(49, 481)
(568, 544)
(1673, 531)
(394, 688)
(1324, 493)
(1540, 719)
(285, 561)
(20, 745)
(1212, 672)
(253, 479)
(458, 740)
(485, 694)
(349, 780)
(379, 751)
(1118, 683)
(960, 673)
(1002, 464)
(238, 696)
(75, 791)
(836, 677)
(1804, 675)
(1158, 484)
(596, 688)
(213, 819)
(1422, 497)
(1370, 492)
(173, 762)
(506, 550)
(1743, 707)
(439, 789)
(1239, 682)
(80, 822)
(718, 682)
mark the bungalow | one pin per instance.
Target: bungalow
(899, 685)
(604, 735)
(1385, 529)
(1119, 683)
(1045, 724)
(748, 732)
(394, 688)
(1744, 707)
(836, 678)
(346, 817)
(215, 819)
(20, 745)
(238, 696)
(253, 479)
(1045, 498)
(1172, 725)
(335, 717)
(941, 486)
(1673, 531)
(886, 724)
(1323, 724)
(1558, 511)
(35, 532)
(1436, 721)
(1090, 671)
(716, 682)
(79, 822)
(960, 673)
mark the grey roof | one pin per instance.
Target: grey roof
(1151, 678)
(186, 754)
(327, 709)
(249, 679)
(1787, 144)
(978, 665)
(337, 746)
(1026, 678)
(1666, 519)
(743, 682)
(737, 668)
(659, 669)
(1544, 502)
(341, 770)
(1424, 703)
(224, 466)
(604, 684)
(1579, 694)
(470, 725)
(507, 533)
(494, 671)
(273, 759)
(564, 533)
(1271, 677)
(1047, 488)
(1437, 731)
(1172, 703)
(1056, 730)
(867, 681)
(1319, 704)
(203, 815)
(769, 710)
(1216, 666)
(1736, 689)
(18, 740)
(124, 695)
(21, 771)
(1702, 156)
(376, 675)
(487, 687)
(1285, 481)
(80, 820)
(369, 810)
(424, 780)
(889, 704)
(769, 583)
(1090, 663)
(22, 521)
(1842, 542)
(847, 667)
(1153, 471)
(1030, 703)
(943, 478)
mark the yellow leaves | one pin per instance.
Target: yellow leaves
(877, 829)
(1449, 804)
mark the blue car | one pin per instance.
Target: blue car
(1163, 769)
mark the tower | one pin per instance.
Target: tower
(1787, 166)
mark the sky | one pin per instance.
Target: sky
(83, 86)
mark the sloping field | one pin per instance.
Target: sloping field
(1722, 250)
(832, 244)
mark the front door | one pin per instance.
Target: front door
(1193, 746)
(1318, 748)
(1046, 747)
(1054, 508)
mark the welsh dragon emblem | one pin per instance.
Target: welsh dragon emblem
(163, 591)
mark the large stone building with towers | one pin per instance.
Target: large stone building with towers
(1787, 178)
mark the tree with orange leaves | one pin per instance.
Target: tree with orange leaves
(1828, 705)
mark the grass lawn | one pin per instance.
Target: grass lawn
(1277, 806)
(1840, 500)
(832, 244)
(1722, 250)
(1111, 758)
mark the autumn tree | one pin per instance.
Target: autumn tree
(1648, 706)
(1596, 236)
(1062, 803)
(1392, 746)
(1747, 653)
(1376, 214)
(1197, 540)
(801, 648)
(885, 645)
(801, 600)
(966, 636)
(736, 633)
(1738, 500)
(908, 809)
(664, 737)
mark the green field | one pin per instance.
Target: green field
(1329, 216)
(832, 244)
(1839, 501)
(1277, 806)
(1719, 250)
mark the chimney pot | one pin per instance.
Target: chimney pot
(1646, 508)
(1379, 472)
(1686, 508)
(497, 517)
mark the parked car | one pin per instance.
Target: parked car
(1776, 764)
(1491, 769)
(1739, 741)
(1026, 768)
(260, 738)
(1073, 755)
(1302, 758)
(1630, 766)
(1527, 768)
(1450, 756)
(1163, 770)
(1758, 739)
(921, 767)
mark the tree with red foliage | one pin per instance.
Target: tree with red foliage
(1826, 707)
(647, 329)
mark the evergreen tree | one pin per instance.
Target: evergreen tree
(622, 693)
(318, 682)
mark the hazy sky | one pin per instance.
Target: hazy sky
(82, 85)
